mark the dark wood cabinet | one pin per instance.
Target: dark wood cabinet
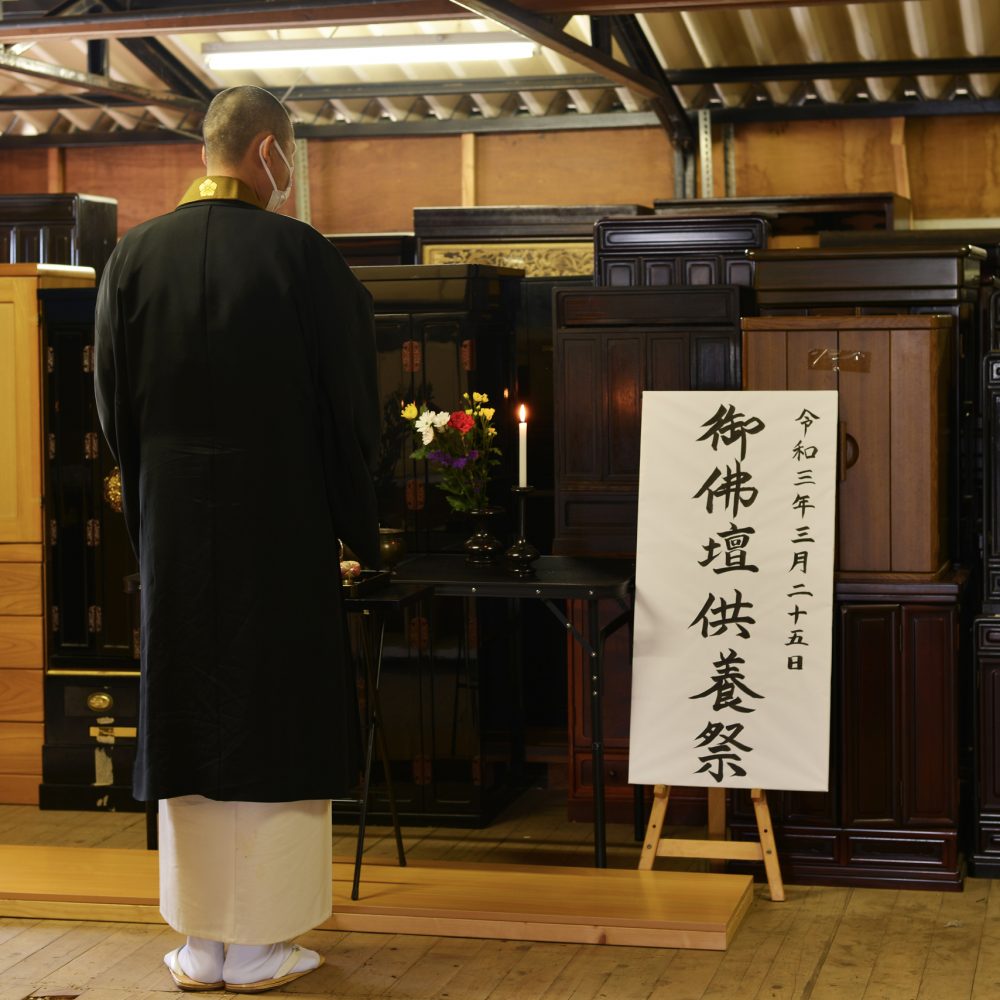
(663, 250)
(88, 553)
(794, 215)
(984, 846)
(91, 685)
(891, 816)
(610, 346)
(375, 249)
(440, 332)
(78, 229)
(991, 483)
(447, 686)
(546, 241)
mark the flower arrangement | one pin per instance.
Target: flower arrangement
(461, 445)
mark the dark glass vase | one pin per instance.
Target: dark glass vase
(482, 547)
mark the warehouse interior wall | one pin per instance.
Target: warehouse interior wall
(948, 166)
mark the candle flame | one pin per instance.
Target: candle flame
(523, 414)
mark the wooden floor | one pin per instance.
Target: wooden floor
(821, 944)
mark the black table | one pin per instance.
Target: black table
(556, 578)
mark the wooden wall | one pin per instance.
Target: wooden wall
(952, 166)
(373, 185)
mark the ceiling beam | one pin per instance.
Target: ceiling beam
(23, 66)
(158, 59)
(628, 33)
(818, 111)
(338, 91)
(152, 18)
(56, 102)
(438, 88)
(835, 70)
(528, 123)
(423, 126)
(538, 29)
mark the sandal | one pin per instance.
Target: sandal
(281, 977)
(182, 979)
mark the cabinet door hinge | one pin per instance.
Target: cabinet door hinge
(88, 359)
(54, 617)
(52, 447)
(93, 533)
(50, 360)
(90, 446)
(94, 622)
(53, 531)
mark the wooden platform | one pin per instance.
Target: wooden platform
(537, 903)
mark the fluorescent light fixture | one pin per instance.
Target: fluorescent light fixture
(375, 51)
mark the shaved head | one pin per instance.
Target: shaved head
(237, 116)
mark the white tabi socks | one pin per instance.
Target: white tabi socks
(201, 960)
(248, 964)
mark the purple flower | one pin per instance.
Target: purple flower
(441, 457)
(459, 463)
(473, 455)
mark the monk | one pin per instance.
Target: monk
(236, 387)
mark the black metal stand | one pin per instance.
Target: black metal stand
(520, 556)
(371, 610)
(555, 578)
(372, 656)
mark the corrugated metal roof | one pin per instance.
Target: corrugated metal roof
(715, 58)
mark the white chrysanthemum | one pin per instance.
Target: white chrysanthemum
(424, 426)
(440, 419)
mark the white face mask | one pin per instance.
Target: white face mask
(278, 197)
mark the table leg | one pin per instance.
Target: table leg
(597, 732)
(367, 654)
(383, 747)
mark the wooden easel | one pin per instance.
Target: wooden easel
(716, 847)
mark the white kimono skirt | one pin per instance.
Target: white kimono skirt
(245, 872)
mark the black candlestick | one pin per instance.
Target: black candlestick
(519, 557)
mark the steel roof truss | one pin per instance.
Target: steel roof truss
(540, 30)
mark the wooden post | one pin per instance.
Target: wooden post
(900, 162)
(717, 847)
(468, 169)
(56, 170)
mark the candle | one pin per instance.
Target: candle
(522, 448)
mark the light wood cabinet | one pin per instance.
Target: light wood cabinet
(22, 631)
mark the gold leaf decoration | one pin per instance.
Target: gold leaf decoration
(113, 489)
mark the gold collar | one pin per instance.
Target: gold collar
(217, 187)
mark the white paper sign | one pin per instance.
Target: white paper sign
(734, 590)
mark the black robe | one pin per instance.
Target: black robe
(236, 387)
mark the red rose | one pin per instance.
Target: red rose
(461, 421)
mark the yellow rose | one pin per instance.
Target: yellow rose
(480, 397)
(409, 411)
(488, 411)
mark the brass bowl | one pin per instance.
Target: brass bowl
(392, 546)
